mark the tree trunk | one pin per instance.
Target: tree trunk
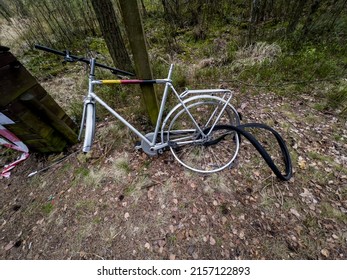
(110, 30)
(133, 25)
(144, 11)
(309, 20)
(296, 16)
(255, 7)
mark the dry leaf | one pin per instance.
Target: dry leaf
(325, 253)
(39, 222)
(126, 216)
(243, 105)
(9, 245)
(302, 163)
(147, 246)
(150, 193)
(295, 212)
(212, 241)
(161, 243)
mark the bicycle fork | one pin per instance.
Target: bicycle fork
(88, 99)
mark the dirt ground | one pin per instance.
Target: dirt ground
(119, 203)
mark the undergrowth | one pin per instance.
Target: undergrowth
(285, 66)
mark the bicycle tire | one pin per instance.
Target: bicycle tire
(283, 175)
(89, 127)
(213, 153)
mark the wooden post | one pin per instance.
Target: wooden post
(133, 25)
(111, 32)
(35, 118)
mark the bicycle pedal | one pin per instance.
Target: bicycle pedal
(138, 145)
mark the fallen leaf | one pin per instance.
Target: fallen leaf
(126, 216)
(147, 246)
(172, 257)
(335, 236)
(295, 212)
(302, 163)
(39, 222)
(203, 218)
(161, 243)
(325, 253)
(212, 241)
(9, 245)
(150, 193)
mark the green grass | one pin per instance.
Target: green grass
(123, 164)
(337, 97)
(130, 190)
(47, 208)
(44, 66)
(328, 211)
(82, 171)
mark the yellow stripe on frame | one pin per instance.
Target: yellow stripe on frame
(111, 81)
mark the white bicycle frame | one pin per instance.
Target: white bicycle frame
(153, 144)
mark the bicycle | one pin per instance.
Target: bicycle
(195, 130)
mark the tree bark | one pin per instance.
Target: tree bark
(255, 5)
(309, 20)
(296, 16)
(111, 32)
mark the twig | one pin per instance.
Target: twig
(53, 164)
(281, 195)
(118, 233)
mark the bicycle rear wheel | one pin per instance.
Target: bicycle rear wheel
(90, 127)
(210, 148)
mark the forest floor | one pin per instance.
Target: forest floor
(118, 203)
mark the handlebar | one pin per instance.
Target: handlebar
(85, 60)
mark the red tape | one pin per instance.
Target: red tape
(11, 141)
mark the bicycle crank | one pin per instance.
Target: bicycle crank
(146, 147)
